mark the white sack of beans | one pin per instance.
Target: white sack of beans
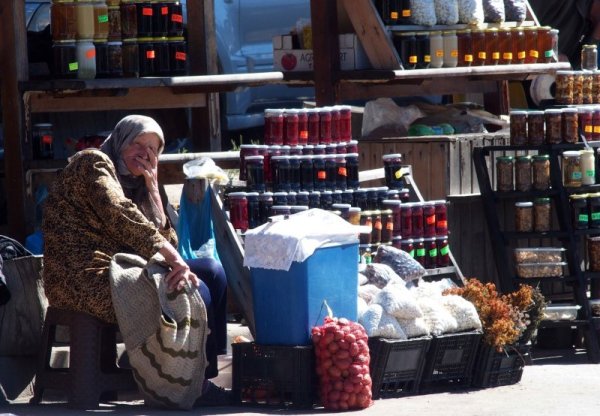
(516, 10)
(401, 262)
(422, 12)
(470, 12)
(389, 328)
(399, 302)
(446, 12)
(361, 307)
(381, 275)
(362, 279)
(414, 328)
(368, 292)
(432, 289)
(463, 311)
(438, 319)
(493, 10)
(370, 318)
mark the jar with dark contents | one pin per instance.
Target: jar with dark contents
(253, 209)
(265, 202)
(431, 253)
(238, 210)
(314, 199)
(504, 173)
(492, 48)
(429, 220)
(366, 220)
(341, 172)
(255, 173)
(394, 206)
(280, 198)
(343, 209)
(382, 195)
(284, 210)
(594, 210)
(420, 251)
(531, 44)
(518, 128)
(147, 56)
(465, 47)
(320, 173)
(313, 126)
(335, 124)
(290, 122)
(144, 19)
(280, 166)
(404, 194)
(553, 126)
(330, 172)
(160, 19)
(302, 126)
(393, 194)
(102, 65)
(571, 168)
(443, 258)
(291, 198)
(407, 220)
(128, 19)
(596, 87)
(308, 149)
(43, 141)
(131, 59)
(564, 87)
(588, 87)
(589, 57)
(295, 173)
(392, 166)
(540, 172)
(596, 123)
(320, 149)
(418, 226)
(324, 125)
(177, 55)
(523, 174)
(63, 20)
(406, 45)
(524, 217)
(65, 59)
(348, 196)
(162, 60)
(408, 245)
(175, 27)
(372, 200)
(535, 128)
(585, 122)
(542, 215)
(579, 211)
(246, 150)
(326, 200)
(345, 132)
(397, 243)
(387, 226)
(423, 50)
(302, 198)
(352, 146)
(352, 168)
(376, 230)
(360, 199)
(441, 217)
(337, 196)
(306, 173)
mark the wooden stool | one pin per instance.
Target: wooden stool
(92, 360)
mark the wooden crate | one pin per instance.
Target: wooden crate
(442, 165)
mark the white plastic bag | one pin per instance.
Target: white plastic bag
(470, 12)
(399, 302)
(446, 12)
(205, 168)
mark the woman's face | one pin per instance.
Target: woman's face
(143, 147)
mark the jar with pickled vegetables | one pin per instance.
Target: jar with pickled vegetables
(542, 215)
(523, 176)
(504, 173)
(571, 168)
(540, 172)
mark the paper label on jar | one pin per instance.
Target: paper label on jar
(164, 11)
(582, 218)
(521, 54)
(412, 59)
(427, 58)
(394, 15)
(454, 53)
(412, 253)
(150, 54)
(406, 13)
(389, 226)
(90, 53)
(303, 134)
(442, 224)
(420, 252)
(180, 56)
(507, 55)
(430, 219)
(46, 139)
(147, 11)
(378, 225)
(342, 171)
(439, 53)
(177, 18)
(444, 250)
(595, 216)
(433, 252)
(576, 175)
(321, 174)
(482, 55)
(588, 128)
(468, 58)
(596, 129)
(400, 173)
(533, 53)
(549, 54)
(496, 55)
(73, 66)
(590, 173)
(103, 18)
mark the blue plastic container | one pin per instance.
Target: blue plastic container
(288, 304)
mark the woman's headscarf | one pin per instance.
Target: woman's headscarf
(134, 187)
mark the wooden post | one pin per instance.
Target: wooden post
(13, 55)
(326, 50)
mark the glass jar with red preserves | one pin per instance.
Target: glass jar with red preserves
(392, 165)
(443, 257)
(345, 129)
(238, 210)
(276, 127)
(325, 125)
(408, 245)
(418, 226)
(303, 126)
(441, 217)
(313, 126)
(585, 115)
(596, 123)
(420, 252)
(407, 223)
(245, 151)
(290, 122)
(428, 219)
(335, 124)
(431, 253)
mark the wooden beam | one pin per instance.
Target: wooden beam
(326, 50)
(13, 55)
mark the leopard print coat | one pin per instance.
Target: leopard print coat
(87, 219)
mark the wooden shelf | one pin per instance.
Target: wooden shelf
(417, 28)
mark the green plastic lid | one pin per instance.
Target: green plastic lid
(504, 158)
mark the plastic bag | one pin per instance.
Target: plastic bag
(446, 12)
(463, 311)
(470, 12)
(195, 228)
(401, 262)
(384, 118)
(368, 292)
(493, 10)
(516, 10)
(398, 302)
(381, 275)
(438, 319)
(205, 168)
(414, 327)
(422, 12)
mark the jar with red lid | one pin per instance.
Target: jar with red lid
(420, 251)
(585, 115)
(320, 173)
(441, 217)
(596, 124)
(431, 253)
(392, 166)
(418, 224)
(407, 220)
(345, 128)
(238, 210)
(443, 251)
(429, 221)
(325, 120)
(313, 126)
(290, 122)
(408, 245)
(245, 151)
(276, 127)
(303, 126)
(395, 207)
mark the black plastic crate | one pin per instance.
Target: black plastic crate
(450, 361)
(397, 365)
(274, 375)
(493, 368)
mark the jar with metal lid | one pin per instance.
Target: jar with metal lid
(535, 128)
(84, 11)
(102, 64)
(238, 210)
(518, 128)
(443, 258)
(542, 215)
(392, 166)
(43, 141)
(588, 167)
(147, 56)
(450, 48)
(144, 19)
(100, 19)
(331, 149)
(160, 19)
(302, 126)
(162, 59)
(408, 245)
(295, 173)
(578, 79)
(571, 168)
(280, 166)
(308, 150)
(314, 199)
(524, 217)
(541, 172)
(86, 59)
(419, 244)
(478, 47)
(531, 44)
(418, 223)
(596, 123)
(407, 220)
(64, 54)
(579, 211)
(594, 210)
(382, 194)
(290, 129)
(360, 199)
(431, 253)
(406, 45)
(564, 87)
(175, 27)
(404, 195)
(519, 47)
(348, 196)
(325, 125)
(553, 126)
(523, 176)
(465, 47)
(366, 220)
(423, 50)
(131, 58)
(302, 198)
(436, 49)
(505, 44)
(280, 198)
(292, 198)
(492, 48)
(177, 55)
(320, 149)
(306, 173)
(255, 173)
(114, 23)
(265, 202)
(394, 207)
(352, 168)
(504, 173)
(372, 200)
(63, 20)
(589, 57)
(393, 194)
(253, 209)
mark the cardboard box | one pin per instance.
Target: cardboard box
(286, 59)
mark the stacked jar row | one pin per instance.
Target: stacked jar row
(477, 47)
(533, 216)
(578, 168)
(585, 211)
(577, 87)
(85, 59)
(431, 253)
(523, 173)
(311, 126)
(115, 19)
(552, 126)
